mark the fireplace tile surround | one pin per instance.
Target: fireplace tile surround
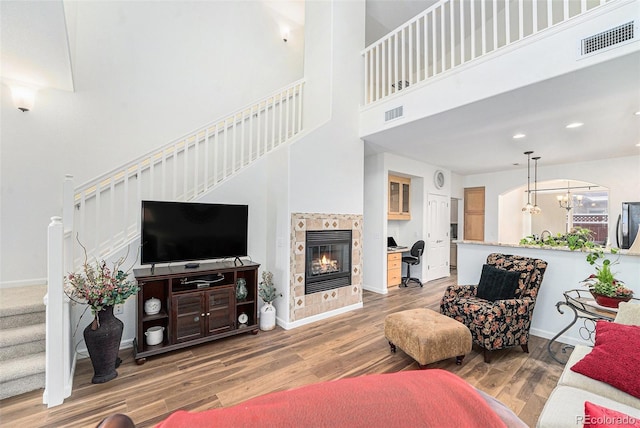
(302, 306)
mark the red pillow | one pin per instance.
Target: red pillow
(600, 417)
(615, 358)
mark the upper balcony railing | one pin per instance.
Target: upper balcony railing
(454, 32)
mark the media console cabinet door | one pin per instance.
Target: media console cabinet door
(189, 316)
(220, 314)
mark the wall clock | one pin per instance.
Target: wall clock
(438, 179)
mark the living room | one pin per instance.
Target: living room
(307, 177)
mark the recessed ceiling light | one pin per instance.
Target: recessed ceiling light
(637, 113)
(638, 145)
(574, 125)
(518, 136)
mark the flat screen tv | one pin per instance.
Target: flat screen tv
(185, 231)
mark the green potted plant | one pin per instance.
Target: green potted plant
(268, 293)
(603, 285)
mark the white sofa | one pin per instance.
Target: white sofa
(565, 406)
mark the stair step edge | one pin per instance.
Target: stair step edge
(22, 367)
(25, 334)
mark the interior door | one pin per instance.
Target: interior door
(473, 214)
(438, 242)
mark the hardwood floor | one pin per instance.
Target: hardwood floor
(231, 370)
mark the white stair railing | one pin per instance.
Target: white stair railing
(104, 213)
(108, 207)
(453, 32)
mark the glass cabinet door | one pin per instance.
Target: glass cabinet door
(394, 197)
(405, 198)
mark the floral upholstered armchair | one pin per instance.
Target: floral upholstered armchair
(505, 321)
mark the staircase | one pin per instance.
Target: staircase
(22, 340)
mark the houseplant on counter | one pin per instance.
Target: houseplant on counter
(268, 293)
(101, 287)
(603, 285)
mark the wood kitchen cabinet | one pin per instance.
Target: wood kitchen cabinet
(399, 203)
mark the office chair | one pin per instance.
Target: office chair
(416, 253)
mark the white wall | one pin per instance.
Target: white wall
(145, 73)
(620, 175)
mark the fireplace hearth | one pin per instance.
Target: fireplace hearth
(327, 260)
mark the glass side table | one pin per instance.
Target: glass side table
(584, 308)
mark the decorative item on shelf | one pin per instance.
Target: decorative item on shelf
(101, 287)
(241, 289)
(603, 285)
(268, 293)
(152, 306)
(243, 320)
(154, 335)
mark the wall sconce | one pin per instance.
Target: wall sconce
(285, 34)
(23, 97)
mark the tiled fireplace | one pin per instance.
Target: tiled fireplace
(326, 263)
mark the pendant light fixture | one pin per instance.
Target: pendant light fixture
(528, 208)
(536, 208)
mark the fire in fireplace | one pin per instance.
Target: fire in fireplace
(328, 260)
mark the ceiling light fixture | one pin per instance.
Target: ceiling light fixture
(518, 136)
(285, 34)
(637, 113)
(574, 125)
(528, 208)
(536, 209)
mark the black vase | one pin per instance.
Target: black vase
(103, 344)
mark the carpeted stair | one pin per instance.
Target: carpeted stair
(22, 340)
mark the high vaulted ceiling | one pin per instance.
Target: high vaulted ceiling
(471, 139)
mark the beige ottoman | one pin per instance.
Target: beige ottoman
(427, 336)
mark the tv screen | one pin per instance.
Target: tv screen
(185, 231)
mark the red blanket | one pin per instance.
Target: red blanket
(421, 398)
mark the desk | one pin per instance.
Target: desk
(394, 266)
(585, 308)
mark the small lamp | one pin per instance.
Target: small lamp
(23, 97)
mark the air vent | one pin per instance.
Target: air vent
(609, 38)
(393, 113)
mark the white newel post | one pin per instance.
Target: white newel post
(54, 376)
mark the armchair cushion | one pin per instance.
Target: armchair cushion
(497, 284)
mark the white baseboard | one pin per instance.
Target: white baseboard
(568, 340)
(319, 317)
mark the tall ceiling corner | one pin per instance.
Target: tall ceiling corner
(35, 47)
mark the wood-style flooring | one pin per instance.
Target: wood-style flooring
(234, 369)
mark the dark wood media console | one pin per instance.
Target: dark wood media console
(198, 305)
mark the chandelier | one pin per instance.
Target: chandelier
(529, 208)
(567, 201)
